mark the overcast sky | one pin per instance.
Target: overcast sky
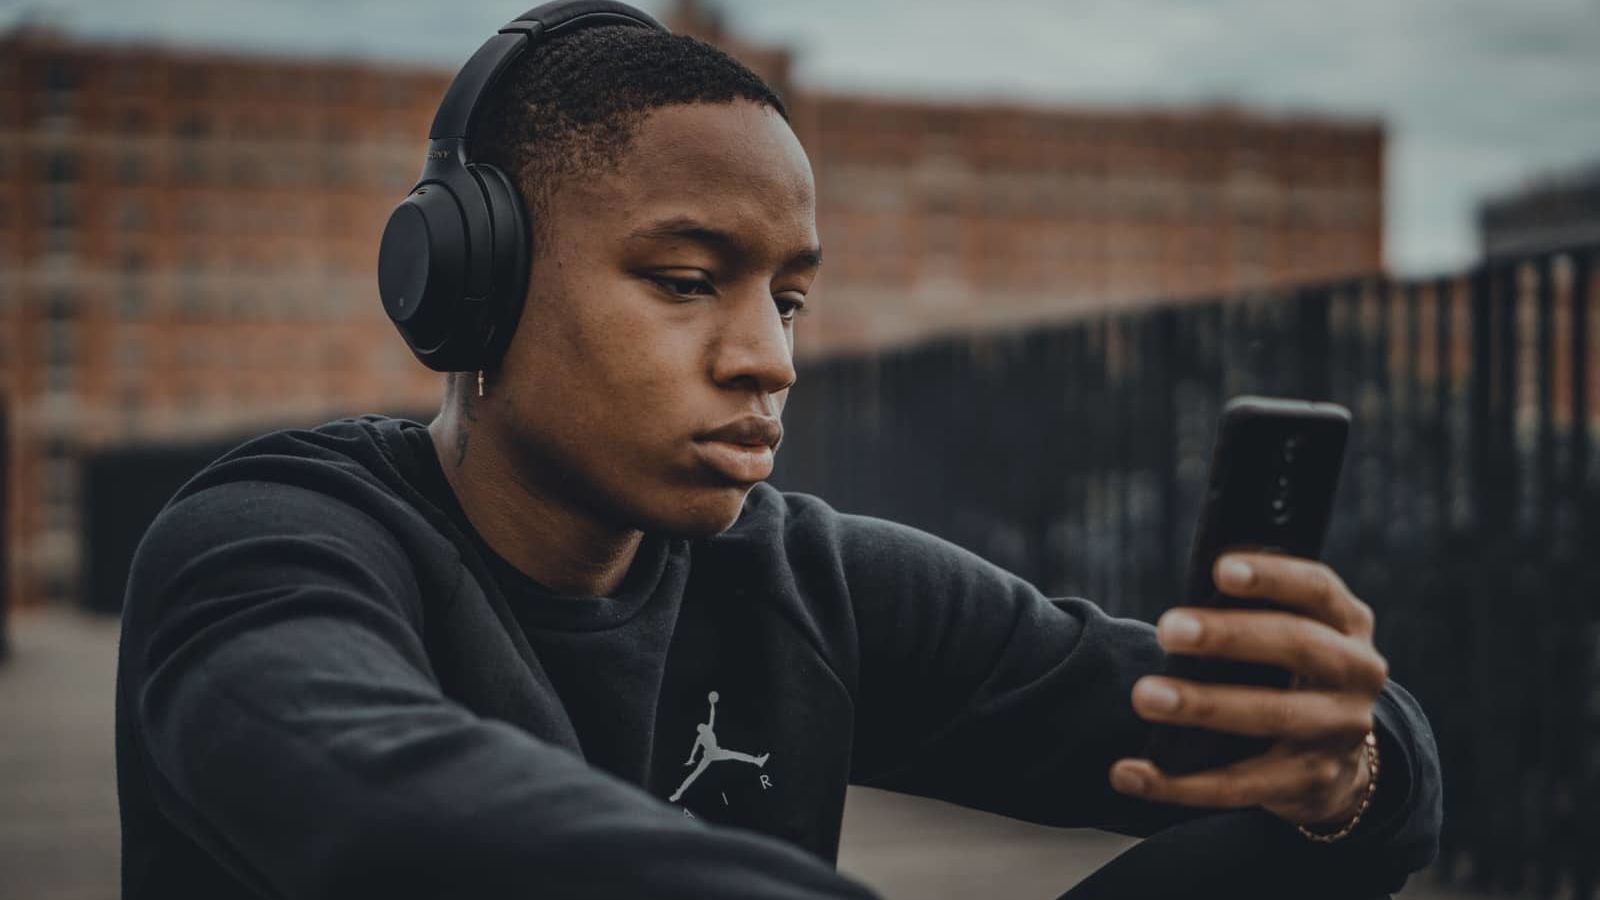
(1479, 95)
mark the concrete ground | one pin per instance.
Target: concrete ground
(58, 804)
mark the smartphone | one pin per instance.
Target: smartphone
(1274, 467)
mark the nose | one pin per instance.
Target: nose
(753, 348)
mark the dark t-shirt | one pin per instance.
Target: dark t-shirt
(329, 685)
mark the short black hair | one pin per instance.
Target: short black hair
(571, 106)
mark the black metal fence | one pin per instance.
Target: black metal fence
(1468, 514)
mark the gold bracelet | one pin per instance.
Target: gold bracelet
(1370, 753)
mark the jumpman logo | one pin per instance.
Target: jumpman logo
(705, 746)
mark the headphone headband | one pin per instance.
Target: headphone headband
(461, 99)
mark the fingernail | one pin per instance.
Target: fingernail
(1127, 781)
(1180, 627)
(1236, 571)
(1157, 696)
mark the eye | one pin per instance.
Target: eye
(682, 286)
(790, 307)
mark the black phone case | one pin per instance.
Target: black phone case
(1274, 468)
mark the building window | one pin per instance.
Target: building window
(130, 353)
(134, 121)
(191, 289)
(194, 218)
(336, 165)
(131, 301)
(132, 305)
(59, 210)
(242, 302)
(194, 127)
(60, 484)
(337, 90)
(59, 350)
(191, 167)
(60, 75)
(58, 241)
(61, 168)
(335, 131)
(192, 131)
(60, 86)
(61, 344)
(61, 306)
(131, 217)
(245, 171)
(130, 169)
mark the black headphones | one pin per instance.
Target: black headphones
(453, 264)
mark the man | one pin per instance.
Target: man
(470, 659)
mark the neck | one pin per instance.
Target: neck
(562, 547)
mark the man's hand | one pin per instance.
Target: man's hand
(1313, 772)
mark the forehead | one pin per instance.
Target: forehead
(736, 166)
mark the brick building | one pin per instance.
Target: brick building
(187, 244)
(188, 239)
(955, 217)
(944, 216)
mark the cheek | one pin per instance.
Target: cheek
(637, 351)
(621, 369)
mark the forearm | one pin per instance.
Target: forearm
(1407, 812)
(344, 775)
(1032, 733)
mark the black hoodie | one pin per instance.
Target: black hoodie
(330, 686)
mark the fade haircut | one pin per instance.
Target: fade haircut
(571, 107)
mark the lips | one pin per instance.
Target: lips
(751, 431)
(741, 450)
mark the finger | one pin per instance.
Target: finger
(1299, 644)
(1342, 718)
(1303, 584)
(1306, 783)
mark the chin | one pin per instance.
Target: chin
(709, 512)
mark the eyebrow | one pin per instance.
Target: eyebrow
(690, 229)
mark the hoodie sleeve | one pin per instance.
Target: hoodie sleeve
(292, 727)
(976, 689)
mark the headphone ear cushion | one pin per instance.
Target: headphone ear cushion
(512, 251)
(422, 267)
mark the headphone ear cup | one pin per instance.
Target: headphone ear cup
(422, 261)
(512, 253)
